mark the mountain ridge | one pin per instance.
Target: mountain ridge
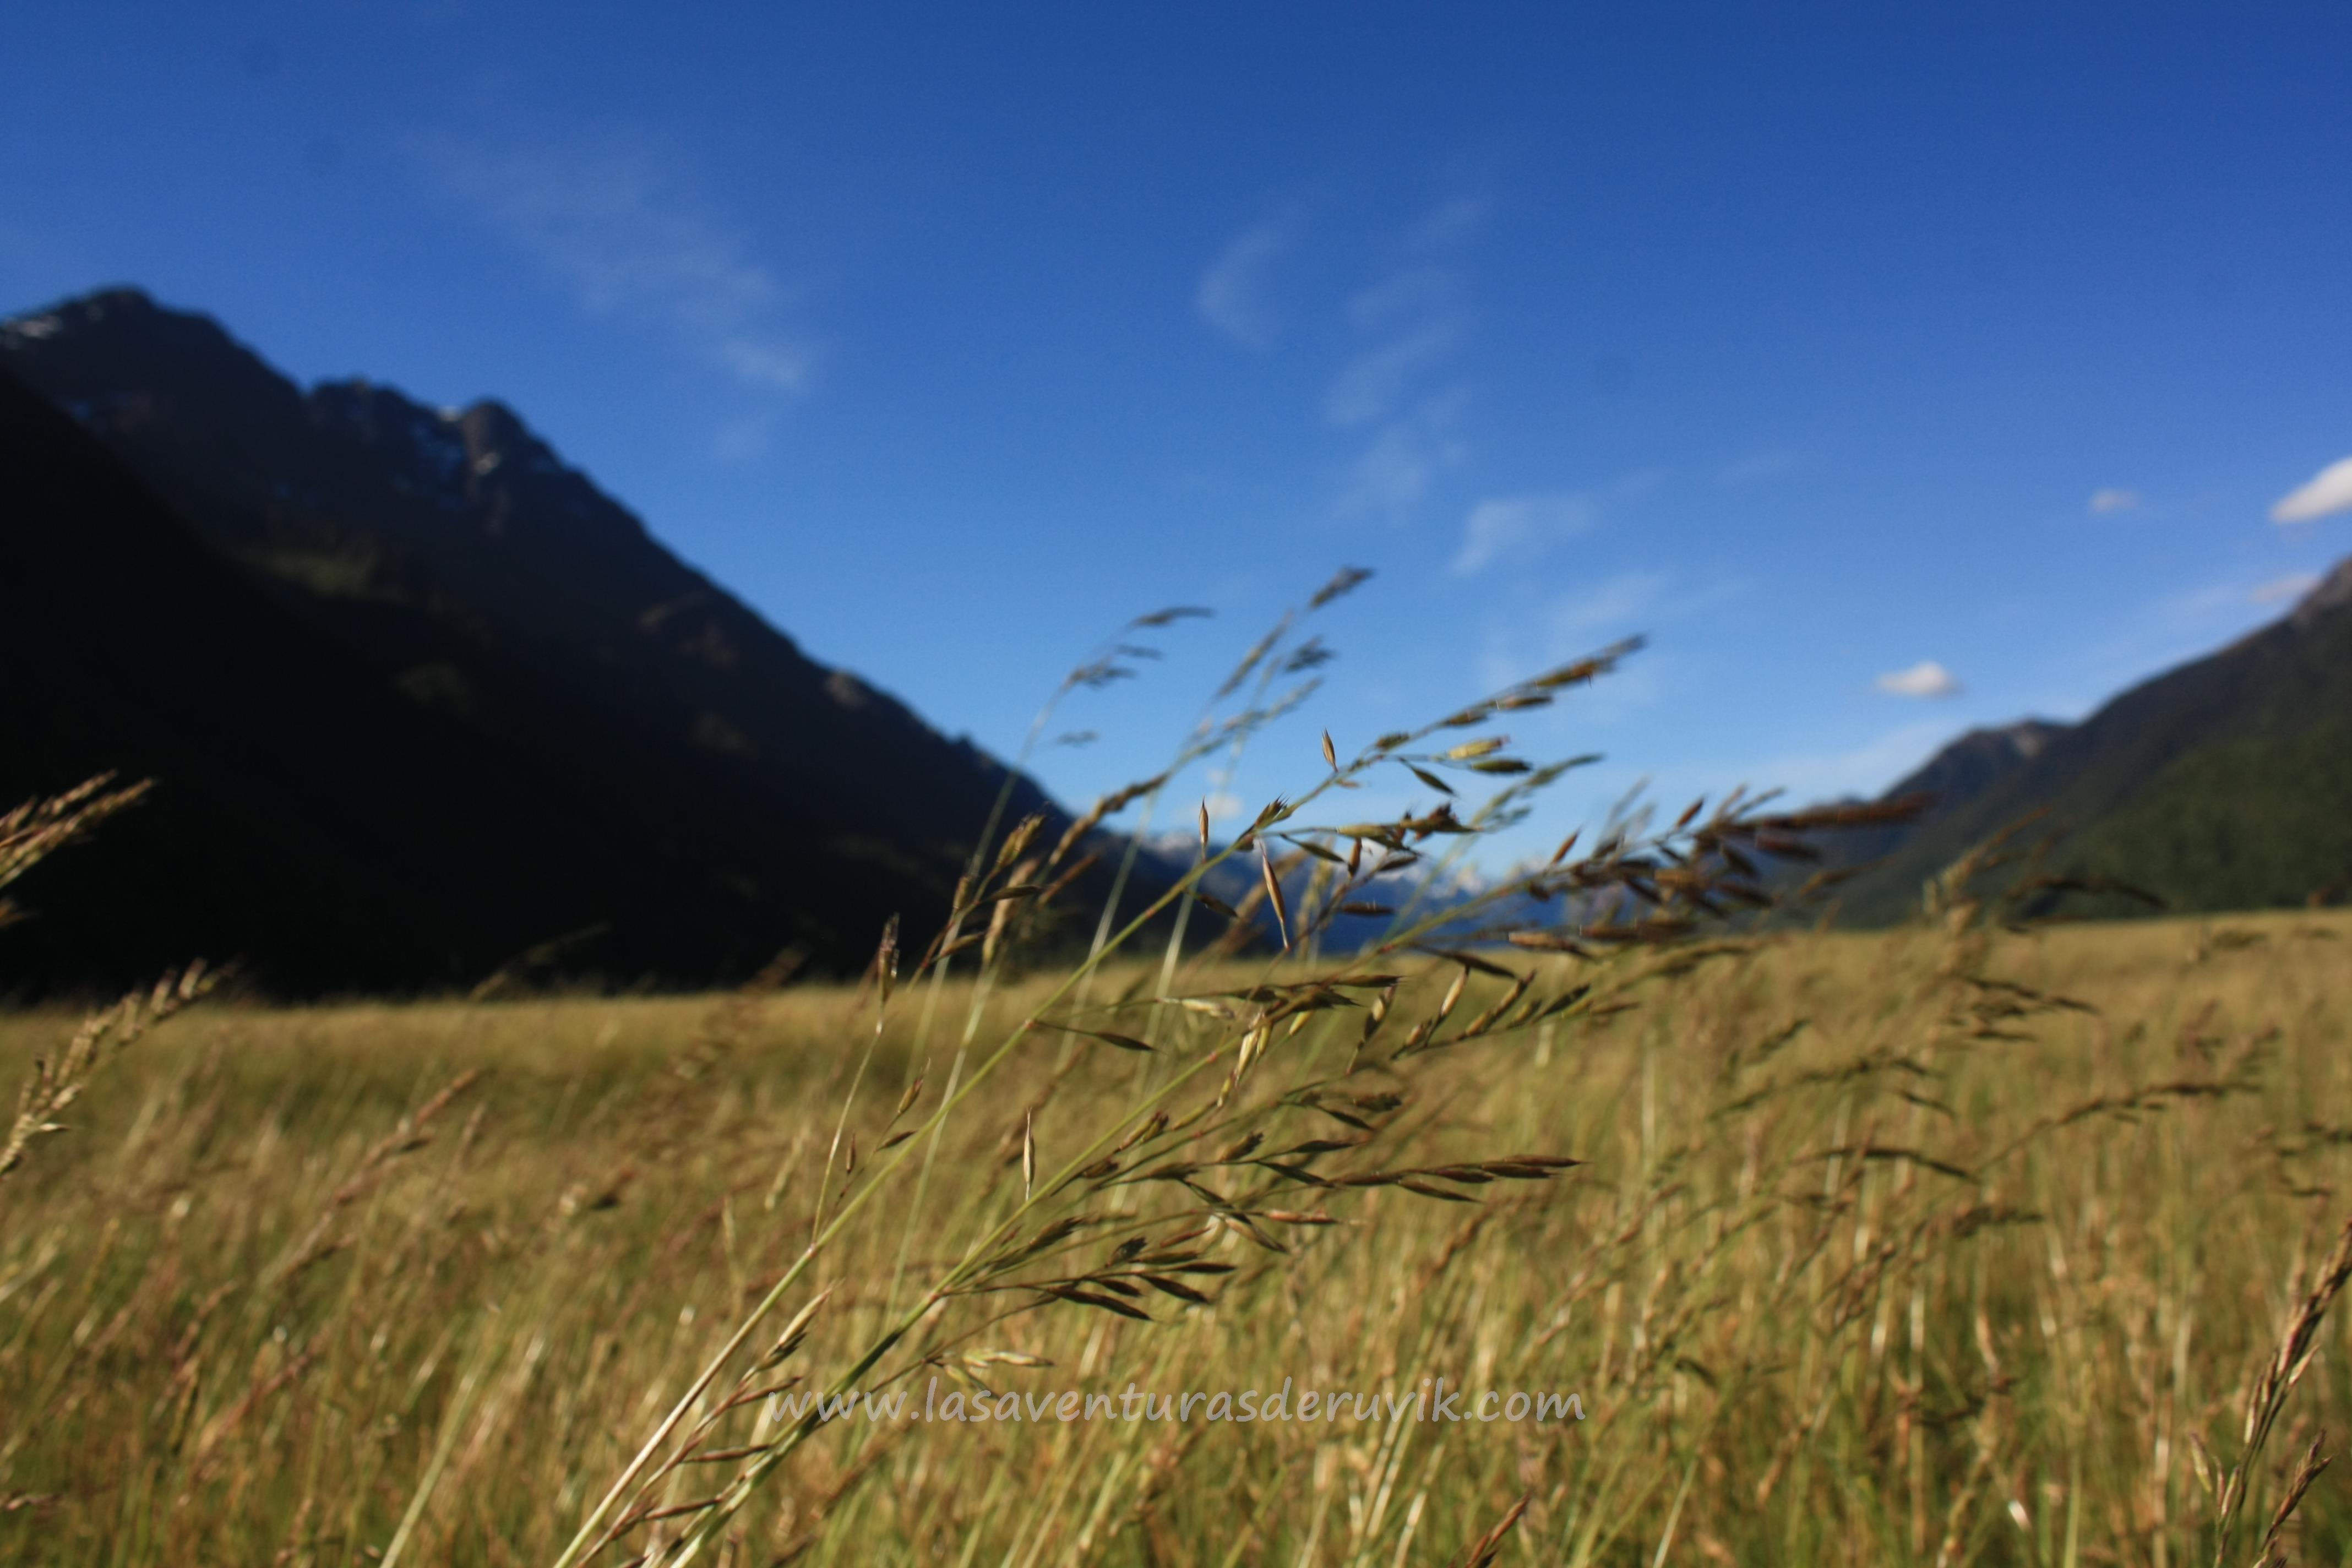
(2224, 782)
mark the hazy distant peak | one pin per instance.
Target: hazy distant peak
(1965, 767)
(2027, 736)
(2333, 592)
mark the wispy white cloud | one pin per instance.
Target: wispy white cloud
(1512, 526)
(744, 439)
(1231, 293)
(2285, 590)
(1926, 678)
(2113, 499)
(1571, 630)
(1611, 608)
(2162, 632)
(1409, 291)
(1580, 622)
(1763, 465)
(783, 367)
(1451, 223)
(2195, 616)
(1864, 770)
(620, 222)
(1411, 324)
(2328, 491)
(1398, 469)
(1370, 386)
(1385, 390)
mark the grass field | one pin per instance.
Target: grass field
(1921, 1247)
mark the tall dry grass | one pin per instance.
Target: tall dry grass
(1960, 1244)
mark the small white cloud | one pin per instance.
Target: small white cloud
(2113, 499)
(2285, 590)
(2329, 491)
(1926, 678)
(1511, 525)
(1231, 295)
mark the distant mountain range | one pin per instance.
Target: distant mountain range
(419, 695)
(2223, 784)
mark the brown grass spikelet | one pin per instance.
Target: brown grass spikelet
(31, 832)
(1274, 894)
(2298, 1344)
(1482, 1553)
(1346, 581)
(2274, 1552)
(55, 1084)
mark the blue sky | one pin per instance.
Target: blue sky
(1852, 354)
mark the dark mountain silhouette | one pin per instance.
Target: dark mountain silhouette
(419, 695)
(2223, 784)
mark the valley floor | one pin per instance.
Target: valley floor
(1907, 1248)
